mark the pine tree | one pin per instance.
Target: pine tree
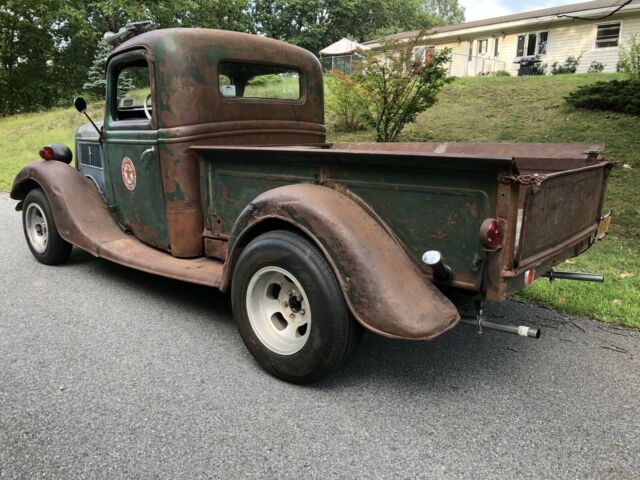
(96, 76)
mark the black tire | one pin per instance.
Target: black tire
(57, 250)
(333, 333)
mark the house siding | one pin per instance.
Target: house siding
(573, 38)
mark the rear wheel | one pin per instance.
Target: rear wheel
(290, 310)
(40, 231)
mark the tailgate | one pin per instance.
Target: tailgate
(559, 210)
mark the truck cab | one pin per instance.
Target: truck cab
(169, 90)
(211, 166)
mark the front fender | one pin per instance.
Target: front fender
(383, 288)
(78, 209)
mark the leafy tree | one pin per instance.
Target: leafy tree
(397, 88)
(444, 12)
(346, 103)
(630, 58)
(48, 46)
(223, 14)
(27, 54)
(314, 24)
(96, 82)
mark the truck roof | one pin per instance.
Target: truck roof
(186, 76)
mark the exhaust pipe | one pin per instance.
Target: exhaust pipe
(522, 330)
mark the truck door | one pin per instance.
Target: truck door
(133, 180)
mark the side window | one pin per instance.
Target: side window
(133, 96)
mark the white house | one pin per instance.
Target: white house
(593, 31)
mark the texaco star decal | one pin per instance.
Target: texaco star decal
(128, 173)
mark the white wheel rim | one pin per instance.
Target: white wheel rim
(278, 310)
(37, 228)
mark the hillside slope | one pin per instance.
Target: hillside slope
(21, 136)
(532, 109)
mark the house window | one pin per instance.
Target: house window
(470, 50)
(496, 47)
(483, 46)
(531, 44)
(423, 55)
(543, 39)
(607, 35)
(520, 48)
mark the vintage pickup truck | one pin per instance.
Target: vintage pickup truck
(213, 168)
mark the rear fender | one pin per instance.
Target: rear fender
(383, 288)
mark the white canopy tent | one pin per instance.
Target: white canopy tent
(343, 46)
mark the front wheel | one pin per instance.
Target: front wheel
(40, 231)
(290, 310)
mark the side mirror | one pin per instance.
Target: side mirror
(80, 104)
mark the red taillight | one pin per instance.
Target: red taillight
(529, 276)
(46, 153)
(491, 233)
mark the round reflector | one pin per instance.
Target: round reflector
(46, 153)
(491, 233)
(529, 276)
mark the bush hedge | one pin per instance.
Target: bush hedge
(616, 95)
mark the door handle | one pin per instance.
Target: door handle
(148, 151)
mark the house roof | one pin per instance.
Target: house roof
(545, 12)
(341, 47)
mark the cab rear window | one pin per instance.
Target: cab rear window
(243, 80)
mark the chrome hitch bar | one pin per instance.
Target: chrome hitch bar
(582, 277)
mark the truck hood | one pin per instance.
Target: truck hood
(87, 133)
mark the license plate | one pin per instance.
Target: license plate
(604, 226)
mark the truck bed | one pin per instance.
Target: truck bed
(548, 197)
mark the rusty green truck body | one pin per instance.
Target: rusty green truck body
(211, 167)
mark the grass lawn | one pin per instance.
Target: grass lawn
(529, 109)
(21, 136)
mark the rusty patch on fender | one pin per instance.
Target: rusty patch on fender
(384, 289)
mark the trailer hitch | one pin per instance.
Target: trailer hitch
(482, 323)
(582, 277)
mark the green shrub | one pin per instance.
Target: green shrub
(595, 67)
(538, 69)
(264, 80)
(630, 59)
(346, 104)
(570, 65)
(397, 87)
(616, 95)
(502, 73)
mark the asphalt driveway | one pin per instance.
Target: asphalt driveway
(106, 372)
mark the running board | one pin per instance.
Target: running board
(82, 219)
(132, 253)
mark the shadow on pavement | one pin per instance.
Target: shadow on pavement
(456, 360)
